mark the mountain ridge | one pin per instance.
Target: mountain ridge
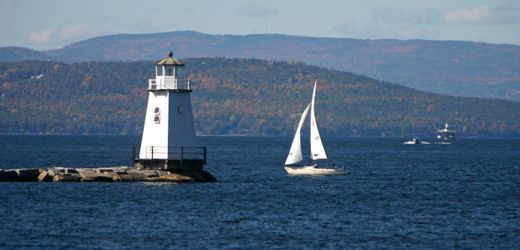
(458, 68)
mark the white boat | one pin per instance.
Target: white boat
(416, 140)
(446, 133)
(413, 141)
(317, 151)
(314, 170)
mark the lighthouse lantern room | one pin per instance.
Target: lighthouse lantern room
(169, 140)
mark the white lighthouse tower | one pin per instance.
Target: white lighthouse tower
(169, 140)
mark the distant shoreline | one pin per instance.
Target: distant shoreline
(432, 138)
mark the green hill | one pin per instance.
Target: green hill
(236, 96)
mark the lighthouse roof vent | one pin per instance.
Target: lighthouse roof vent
(170, 60)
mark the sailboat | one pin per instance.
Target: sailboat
(317, 151)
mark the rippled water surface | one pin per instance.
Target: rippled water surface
(463, 195)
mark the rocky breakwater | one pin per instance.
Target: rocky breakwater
(111, 174)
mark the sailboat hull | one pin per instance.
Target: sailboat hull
(312, 170)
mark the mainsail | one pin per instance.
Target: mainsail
(317, 150)
(295, 153)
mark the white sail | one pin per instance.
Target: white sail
(317, 150)
(295, 153)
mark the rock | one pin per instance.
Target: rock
(122, 175)
(128, 177)
(196, 175)
(184, 175)
(88, 174)
(30, 174)
(105, 170)
(66, 177)
(71, 171)
(8, 175)
(174, 178)
(45, 176)
(116, 177)
(103, 178)
(2, 173)
(56, 170)
(134, 175)
(96, 174)
(150, 173)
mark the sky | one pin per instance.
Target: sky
(49, 24)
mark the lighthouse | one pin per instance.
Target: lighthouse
(169, 140)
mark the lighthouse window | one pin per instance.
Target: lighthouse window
(170, 72)
(179, 109)
(157, 113)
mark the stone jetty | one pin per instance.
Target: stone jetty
(110, 174)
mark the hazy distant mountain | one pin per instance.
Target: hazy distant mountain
(236, 96)
(16, 54)
(448, 67)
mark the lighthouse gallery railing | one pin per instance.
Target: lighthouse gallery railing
(168, 83)
(175, 153)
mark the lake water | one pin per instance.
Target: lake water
(463, 195)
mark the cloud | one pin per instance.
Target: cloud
(63, 35)
(382, 31)
(505, 14)
(40, 37)
(478, 14)
(389, 15)
(255, 11)
(74, 31)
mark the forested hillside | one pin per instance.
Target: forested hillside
(235, 96)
